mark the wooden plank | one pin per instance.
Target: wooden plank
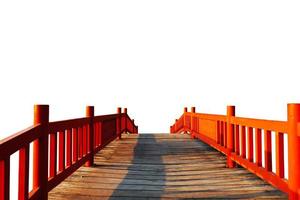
(162, 166)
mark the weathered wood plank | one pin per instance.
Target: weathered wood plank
(162, 166)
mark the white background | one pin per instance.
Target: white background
(154, 57)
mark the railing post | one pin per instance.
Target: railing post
(40, 151)
(185, 110)
(230, 137)
(125, 118)
(132, 125)
(90, 112)
(293, 151)
(119, 122)
(193, 110)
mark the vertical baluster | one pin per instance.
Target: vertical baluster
(84, 140)
(69, 148)
(61, 163)
(4, 178)
(258, 154)
(75, 146)
(100, 134)
(23, 172)
(250, 144)
(53, 154)
(222, 133)
(218, 132)
(79, 142)
(225, 134)
(96, 143)
(88, 139)
(279, 155)
(243, 141)
(237, 140)
(268, 150)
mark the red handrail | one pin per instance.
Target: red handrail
(76, 140)
(231, 135)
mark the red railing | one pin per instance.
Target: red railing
(242, 140)
(67, 144)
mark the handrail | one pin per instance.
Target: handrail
(242, 140)
(68, 144)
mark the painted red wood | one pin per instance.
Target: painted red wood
(250, 144)
(75, 147)
(74, 144)
(279, 155)
(293, 150)
(69, 147)
(53, 154)
(40, 151)
(268, 150)
(243, 141)
(258, 145)
(84, 140)
(4, 178)
(237, 139)
(237, 151)
(61, 163)
(23, 173)
(90, 135)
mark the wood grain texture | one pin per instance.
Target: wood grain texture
(162, 166)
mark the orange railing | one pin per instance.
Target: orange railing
(67, 144)
(242, 140)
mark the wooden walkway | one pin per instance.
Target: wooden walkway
(162, 166)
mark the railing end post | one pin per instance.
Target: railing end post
(193, 109)
(185, 109)
(293, 119)
(40, 151)
(119, 122)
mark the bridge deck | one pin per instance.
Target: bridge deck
(161, 166)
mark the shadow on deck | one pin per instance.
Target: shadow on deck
(162, 166)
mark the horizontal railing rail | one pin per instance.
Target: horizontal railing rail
(59, 149)
(248, 143)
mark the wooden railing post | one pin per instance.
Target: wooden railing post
(119, 122)
(230, 137)
(40, 151)
(90, 112)
(293, 151)
(132, 125)
(185, 110)
(125, 118)
(193, 110)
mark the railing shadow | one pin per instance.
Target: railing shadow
(146, 173)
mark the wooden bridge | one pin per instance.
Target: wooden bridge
(206, 156)
(161, 166)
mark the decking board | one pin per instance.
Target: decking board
(162, 166)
